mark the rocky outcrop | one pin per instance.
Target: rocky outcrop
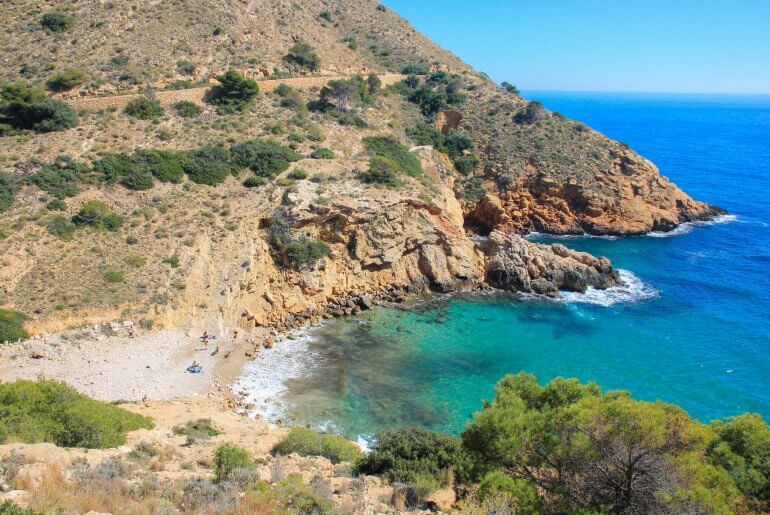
(515, 264)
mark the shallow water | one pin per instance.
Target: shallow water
(691, 327)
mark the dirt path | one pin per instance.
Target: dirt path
(197, 94)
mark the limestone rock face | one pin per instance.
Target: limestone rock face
(515, 264)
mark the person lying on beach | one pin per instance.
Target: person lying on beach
(195, 368)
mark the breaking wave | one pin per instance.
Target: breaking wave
(632, 289)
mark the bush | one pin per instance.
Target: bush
(97, 214)
(303, 251)
(138, 178)
(304, 56)
(8, 188)
(60, 179)
(473, 188)
(61, 227)
(57, 22)
(264, 158)
(56, 205)
(322, 153)
(187, 109)
(172, 260)
(228, 457)
(46, 115)
(289, 495)
(112, 221)
(164, 165)
(144, 108)
(429, 101)
(424, 134)
(185, 67)
(456, 143)
(207, 165)
(11, 329)
(66, 79)
(467, 164)
(114, 276)
(234, 92)
(254, 181)
(510, 88)
(114, 166)
(530, 114)
(306, 442)
(415, 69)
(51, 411)
(415, 456)
(388, 147)
(202, 429)
(11, 508)
(742, 447)
(298, 174)
(383, 171)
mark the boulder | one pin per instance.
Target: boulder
(515, 264)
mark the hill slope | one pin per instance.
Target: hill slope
(329, 231)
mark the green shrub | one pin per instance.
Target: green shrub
(298, 174)
(144, 108)
(187, 109)
(264, 158)
(202, 429)
(415, 456)
(509, 88)
(46, 115)
(172, 260)
(185, 67)
(289, 495)
(303, 251)
(304, 56)
(229, 457)
(11, 508)
(533, 112)
(322, 153)
(66, 79)
(207, 165)
(383, 171)
(415, 69)
(234, 91)
(11, 329)
(61, 179)
(499, 485)
(466, 164)
(307, 442)
(429, 101)
(390, 148)
(57, 22)
(56, 205)
(742, 447)
(473, 188)
(254, 181)
(137, 178)
(456, 143)
(345, 94)
(112, 221)
(424, 134)
(8, 188)
(51, 411)
(114, 166)
(61, 227)
(114, 276)
(164, 165)
(97, 214)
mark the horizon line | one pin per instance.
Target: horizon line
(636, 92)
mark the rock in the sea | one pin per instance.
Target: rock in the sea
(515, 264)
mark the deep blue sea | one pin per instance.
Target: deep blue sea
(692, 327)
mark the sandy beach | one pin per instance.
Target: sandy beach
(117, 366)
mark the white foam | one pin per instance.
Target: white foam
(263, 380)
(632, 289)
(535, 234)
(689, 226)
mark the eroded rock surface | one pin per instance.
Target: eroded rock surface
(515, 264)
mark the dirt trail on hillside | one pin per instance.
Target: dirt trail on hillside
(197, 94)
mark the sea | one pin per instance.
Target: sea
(690, 326)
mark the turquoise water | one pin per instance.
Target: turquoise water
(695, 331)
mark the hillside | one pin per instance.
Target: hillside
(327, 222)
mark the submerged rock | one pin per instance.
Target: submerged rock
(515, 264)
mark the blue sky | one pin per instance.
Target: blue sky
(605, 45)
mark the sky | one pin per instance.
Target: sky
(682, 46)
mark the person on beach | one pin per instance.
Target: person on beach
(195, 368)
